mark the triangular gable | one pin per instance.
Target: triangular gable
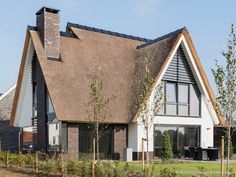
(185, 42)
(20, 78)
(179, 69)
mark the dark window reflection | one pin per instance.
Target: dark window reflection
(180, 136)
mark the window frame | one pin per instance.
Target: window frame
(177, 100)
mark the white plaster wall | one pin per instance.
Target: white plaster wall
(133, 136)
(136, 131)
(24, 105)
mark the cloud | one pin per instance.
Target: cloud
(145, 7)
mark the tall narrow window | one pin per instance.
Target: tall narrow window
(34, 111)
(53, 131)
(183, 99)
(194, 101)
(171, 98)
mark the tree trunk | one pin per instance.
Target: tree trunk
(228, 145)
(97, 139)
(147, 141)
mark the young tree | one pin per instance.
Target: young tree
(166, 150)
(150, 108)
(225, 79)
(97, 109)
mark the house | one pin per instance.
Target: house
(221, 130)
(55, 75)
(9, 137)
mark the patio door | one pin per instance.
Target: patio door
(106, 141)
(181, 137)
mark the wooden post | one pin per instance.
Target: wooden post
(62, 166)
(7, 159)
(94, 158)
(36, 163)
(143, 153)
(222, 156)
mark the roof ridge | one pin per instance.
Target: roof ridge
(163, 37)
(69, 24)
(7, 92)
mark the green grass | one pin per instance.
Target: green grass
(183, 167)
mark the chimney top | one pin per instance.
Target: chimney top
(47, 9)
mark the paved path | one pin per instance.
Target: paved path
(7, 173)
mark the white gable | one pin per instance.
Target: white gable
(205, 100)
(24, 105)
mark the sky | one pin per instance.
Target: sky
(208, 23)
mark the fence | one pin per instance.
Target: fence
(57, 165)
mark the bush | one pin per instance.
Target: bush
(85, 168)
(103, 169)
(166, 151)
(72, 167)
(30, 160)
(167, 173)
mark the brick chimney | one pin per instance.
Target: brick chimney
(48, 26)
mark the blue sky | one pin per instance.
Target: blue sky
(208, 23)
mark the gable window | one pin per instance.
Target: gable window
(182, 99)
(195, 101)
(171, 98)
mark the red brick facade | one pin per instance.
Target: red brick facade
(120, 139)
(73, 141)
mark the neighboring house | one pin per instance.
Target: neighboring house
(56, 71)
(9, 137)
(221, 130)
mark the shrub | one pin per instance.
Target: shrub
(166, 151)
(103, 169)
(167, 173)
(30, 160)
(72, 167)
(85, 168)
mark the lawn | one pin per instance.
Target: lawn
(183, 167)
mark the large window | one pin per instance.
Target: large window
(106, 141)
(182, 99)
(180, 137)
(53, 130)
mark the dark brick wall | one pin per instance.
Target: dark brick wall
(9, 137)
(120, 139)
(73, 141)
(41, 112)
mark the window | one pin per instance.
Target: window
(180, 137)
(182, 99)
(54, 140)
(53, 129)
(171, 99)
(195, 101)
(34, 100)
